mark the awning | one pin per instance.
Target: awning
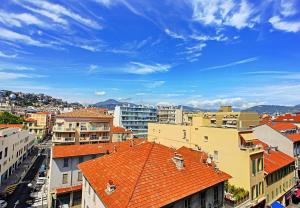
(298, 193)
(277, 205)
(247, 136)
(68, 189)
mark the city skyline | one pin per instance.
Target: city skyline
(197, 53)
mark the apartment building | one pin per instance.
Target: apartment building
(284, 136)
(65, 179)
(169, 114)
(135, 118)
(82, 126)
(151, 175)
(120, 134)
(15, 145)
(39, 123)
(279, 175)
(224, 118)
(232, 150)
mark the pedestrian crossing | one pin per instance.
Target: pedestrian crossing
(10, 189)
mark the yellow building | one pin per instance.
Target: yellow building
(224, 118)
(82, 126)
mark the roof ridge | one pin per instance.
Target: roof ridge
(143, 168)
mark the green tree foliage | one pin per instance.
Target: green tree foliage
(7, 118)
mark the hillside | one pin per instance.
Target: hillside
(272, 109)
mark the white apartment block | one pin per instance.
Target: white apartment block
(15, 146)
(135, 118)
(169, 114)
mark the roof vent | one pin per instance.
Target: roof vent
(209, 160)
(115, 149)
(110, 187)
(178, 160)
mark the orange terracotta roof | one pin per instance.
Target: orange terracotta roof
(283, 126)
(146, 176)
(68, 189)
(44, 113)
(29, 120)
(120, 130)
(11, 126)
(288, 118)
(61, 151)
(85, 113)
(294, 137)
(274, 160)
(191, 154)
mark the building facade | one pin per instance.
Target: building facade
(120, 134)
(224, 118)
(227, 147)
(15, 145)
(135, 118)
(82, 127)
(169, 114)
(161, 177)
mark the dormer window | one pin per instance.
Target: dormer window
(110, 187)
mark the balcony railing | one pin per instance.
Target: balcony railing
(94, 128)
(94, 138)
(63, 129)
(63, 139)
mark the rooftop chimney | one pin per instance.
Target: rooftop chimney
(115, 149)
(110, 187)
(178, 160)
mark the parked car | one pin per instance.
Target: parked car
(3, 204)
(40, 181)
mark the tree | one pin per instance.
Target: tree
(7, 118)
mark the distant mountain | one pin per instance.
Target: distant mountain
(272, 109)
(110, 104)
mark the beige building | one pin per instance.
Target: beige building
(224, 118)
(120, 134)
(82, 126)
(169, 114)
(231, 149)
(39, 123)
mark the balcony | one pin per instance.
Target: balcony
(63, 139)
(94, 139)
(252, 149)
(229, 126)
(94, 128)
(63, 129)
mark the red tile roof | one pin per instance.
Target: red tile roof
(283, 126)
(294, 137)
(195, 155)
(146, 176)
(274, 160)
(29, 120)
(11, 126)
(43, 113)
(288, 118)
(91, 149)
(86, 113)
(68, 189)
(120, 130)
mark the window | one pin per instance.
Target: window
(0, 155)
(89, 189)
(66, 162)
(5, 151)
(268, 199)
(253, 167)
(253, 192)
(202, 199)
(216, 195)
(187, 203)
(205, 138)
(80, 159)
(79, 178)
(216, 155)
(260, 164)
(94, 197)
(65, 178)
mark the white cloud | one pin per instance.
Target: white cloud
(140, 68)
(288, 7)
(12, 75)
(62, 11)
(174, 34)
(92, 68)
(155, 84)
(5, 55)
(17, 20)
(287, 26)
(244, 61)
(17, 37)
(223, 12)
(236, 102)
(100, 93)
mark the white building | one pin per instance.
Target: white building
(135, 118)
(15, 146)
(169, 114)
(65, 178)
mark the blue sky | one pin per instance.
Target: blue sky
(193, 52)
